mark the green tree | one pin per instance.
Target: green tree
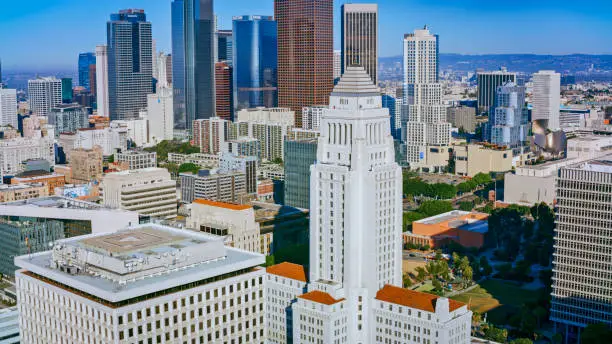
(189, 167)
(495, 334)
(482, 178)
(467, 274)
(596, 334)
(111, 158)
(432, 208)
(522, 341)
(466, 206)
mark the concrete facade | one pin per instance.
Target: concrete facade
(472, 159)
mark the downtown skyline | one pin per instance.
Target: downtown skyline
(519, 28)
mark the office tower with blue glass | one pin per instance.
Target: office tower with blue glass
(193, 62)
(299, 156)
(508, 117)
(86, 61)
(225, 46)
(130, 63)
(255, 62)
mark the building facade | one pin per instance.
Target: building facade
(160, 115)
(68, 118)
(305, 53)
(102, 80)
(193, 61)
(44, 94)
(137, 160)
(229, 162)
(212, 134)
(225, 46)
(427, 132)
(255, 62)
(508, 122)
(581, 269)
(130, 63)
(360, 38)
(149, 192)
(8, 107)
(462, 117)
(299, 156)
(223, 91)
(86, 61)
(395, 107)
(15, 151)
(546, 99)
(488, 82)
(472, 159)
(311, 117)
(220, 187)
(11, 193)
(86, 165)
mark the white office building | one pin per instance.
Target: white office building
(546, 99)
(427, 133)
(109, 139)
(44, 94)
(311, 117)
(17, 150)
(508, 118)
(148, 191)
(355, 237)
(137, 129)
(337, 64)
(269, 126)
(8, 107)
(160, 115)
(137, 160)
(102, 80)
(149, 284)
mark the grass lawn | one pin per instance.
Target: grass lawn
(498, 299)
(426, 287)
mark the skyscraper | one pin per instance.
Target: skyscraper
(508, 118)
(337, 64)
(102, 80)
(299, 156)
(8, 107)
(360, 38)
(223, 90)
(43, 94)
(305, 53)
(193, 62)
(225, 46)
(582, 269)
(427, 132)
(67, 90)
(488, 82)
(86, 60)
(130, 65)
(255, 62)
(546, 99)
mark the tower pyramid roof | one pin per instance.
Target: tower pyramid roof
(355, 82)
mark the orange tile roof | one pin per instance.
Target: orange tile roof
(289, 270)
(320, 297)
(413, 299)
(222, 204)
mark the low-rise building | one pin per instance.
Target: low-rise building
(137, 159)
(205, 161)
(465, 228)
(148, 191)
(145, 284)
(17, 150)
(221, 187)
(462, 117)
(68, 118)
(235, 222)
(86, 165)
(229, 163)
(51, 180)
(10, 193)
(9, 323)
(472, 159)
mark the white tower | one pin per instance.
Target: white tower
(102, 80)
(356, 201)
(44, 94)
(8, 107)
(546, 98)
(427, 133)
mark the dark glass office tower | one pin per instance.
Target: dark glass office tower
(193, 69)
(130, 63)
(86, 60)
(255, 62)
(225, 45)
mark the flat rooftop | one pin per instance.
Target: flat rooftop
(443, 217)
(58, 202)
(603, 164)
(136, 263)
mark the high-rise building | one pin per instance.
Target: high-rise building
(225, 46)
(212, 134)
(102, 80)
(427, 132)
(193, 61)
(395, 107)
(68, 118)
(44, 94)
(353, 293)
(582, 269)
(86, 60)
(508, 117)
(255, 62)
(488, 82)
(546, 99)
(223, 90)
(269, 126)
(86, 165)
(229, 163)
(169, 68)
(161, 74)
(160, 114)
(360, 38)
(67, 91)
(311, 117)
(337, 64)
(130, 64)
(299, 156)
(8, 107)
(179, 275)
(462, 117)
(305, 53)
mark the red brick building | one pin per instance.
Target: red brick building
(224, 91)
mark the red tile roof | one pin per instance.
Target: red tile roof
(320, 297)
(289, 270)
(413, 299)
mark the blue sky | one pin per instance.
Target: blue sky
(51, 33)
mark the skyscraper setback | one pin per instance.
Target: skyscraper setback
(130, 64)
(360, 38)
(193, 69)
(305, 53)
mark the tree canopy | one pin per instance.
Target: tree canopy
(189, 167)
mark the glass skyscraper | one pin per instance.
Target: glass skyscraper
(86, 60)
(193, 70)
(130, 63)
(255, 62)
(299, 156)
